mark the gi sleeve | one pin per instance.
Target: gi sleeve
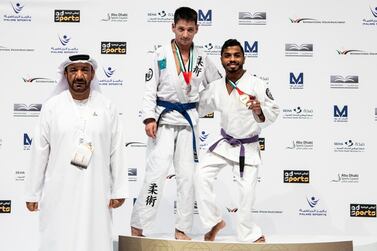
(119, 172)
(207, 100)
(268, 105)
(211, 73)
(39, 157)
(151, 83)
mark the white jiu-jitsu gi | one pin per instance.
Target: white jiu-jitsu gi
(174, 139)
(74, 202)
(238, 122)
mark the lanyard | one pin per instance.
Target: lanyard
(234, 85)
(186, 73)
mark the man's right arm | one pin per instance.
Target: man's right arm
(40, 155)
(150, 97)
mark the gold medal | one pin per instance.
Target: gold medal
(244, 98)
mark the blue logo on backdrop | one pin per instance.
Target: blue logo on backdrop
(64, 40)
(313, 210)
(205, 18)
(372, 19)
(298, 113)
(63, 48)
(349, 146)
(27, 142)
(340, 114)
(109, 73)
(251, 50)
(312, 201)
(16, 15)
(17, 7)
(160, 17)
(211, 48)
(296, 82)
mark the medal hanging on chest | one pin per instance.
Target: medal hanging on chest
(187, 73)
(244, 97)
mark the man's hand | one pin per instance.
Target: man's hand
(32, 206)
(114, 203)
(254, 105)
(151, 128)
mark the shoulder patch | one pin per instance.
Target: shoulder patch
(162, 64)
(268, 93)
(149, 75)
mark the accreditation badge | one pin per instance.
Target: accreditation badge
(82, 155)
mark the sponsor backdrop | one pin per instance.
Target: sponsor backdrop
(319, 168)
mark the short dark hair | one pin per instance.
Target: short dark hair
(185, 13)
(232, 42)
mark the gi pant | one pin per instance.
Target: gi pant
(210, 214)
(173, 145)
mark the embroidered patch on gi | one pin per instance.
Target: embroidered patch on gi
(162, 63)
(199, 66)
(149, 75)
(268, 93)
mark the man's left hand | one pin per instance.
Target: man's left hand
(115, 203)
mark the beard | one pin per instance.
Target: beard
(79, 85)
(233, 67)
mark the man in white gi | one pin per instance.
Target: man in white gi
(170, 117)
(246, 106)
(78, 173)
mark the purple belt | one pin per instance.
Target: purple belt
(236, 142)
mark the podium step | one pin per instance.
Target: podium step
(127, 243)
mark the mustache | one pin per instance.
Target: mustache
(233, 63)
(80, 81)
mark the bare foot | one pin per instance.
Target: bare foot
(211, 235)
(137, 232)
(180, 235)
(260, 240)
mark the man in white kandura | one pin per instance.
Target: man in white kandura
(78, 174)
(170, 116)
(246, 106)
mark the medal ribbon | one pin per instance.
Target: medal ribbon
(186, 73)
(234, 85)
